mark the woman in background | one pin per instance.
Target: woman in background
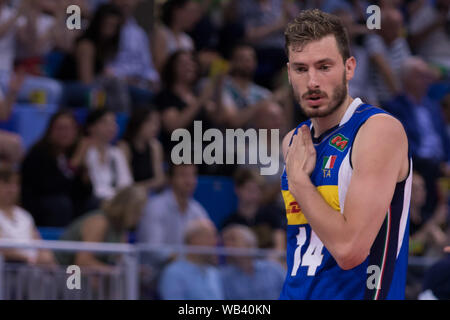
(107, 166)
(143, 150)
(108, 225)
(17, 224)
(97, 46)
(55, 185)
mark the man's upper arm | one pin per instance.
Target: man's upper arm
(379, 154)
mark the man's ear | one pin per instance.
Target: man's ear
(350, 66)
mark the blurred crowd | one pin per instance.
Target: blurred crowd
(166, 64)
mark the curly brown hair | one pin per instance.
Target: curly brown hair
(312, 25)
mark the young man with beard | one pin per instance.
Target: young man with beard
(347, 153)
(241, 97)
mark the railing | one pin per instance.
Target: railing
(137, 266)
(22, 281)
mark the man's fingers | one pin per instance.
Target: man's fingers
(306, 135)
(447, 249)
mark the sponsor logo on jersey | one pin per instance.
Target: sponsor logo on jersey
(339, 141)
(293, 207)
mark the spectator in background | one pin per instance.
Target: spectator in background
(264, 22)
(178, 102)
(436, 282)
(387, 50)
(360, 85)
(107, 165)
(51, 33)
(95, 48)
(18, 26)
(17, 224)
(143, 150)
(11, 149)
(87, 68)
(177, 17)
(167, 214)
(195, 276)
(55, 185)
(424, 125)
(446, 108)
(270, 117)
(110, 224)
(134, 61)
(427, 31)
(241, 96)
(266, 222)
(427, 237)
(247, 278)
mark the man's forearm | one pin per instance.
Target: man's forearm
(327, 223)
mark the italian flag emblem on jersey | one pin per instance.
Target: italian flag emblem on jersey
(328, 162)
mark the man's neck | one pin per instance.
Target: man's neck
(241, 82)
(181, 88)
(247, 210)
(323, 124)
(7, 210)
(181, 201)
(415, 96)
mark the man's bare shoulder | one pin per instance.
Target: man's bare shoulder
(385, 135)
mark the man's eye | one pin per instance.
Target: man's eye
(325, 67)
(301, 69)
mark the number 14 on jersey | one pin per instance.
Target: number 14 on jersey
(313, 255)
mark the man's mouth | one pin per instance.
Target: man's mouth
(314, 100)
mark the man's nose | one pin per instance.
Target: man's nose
(312, 80)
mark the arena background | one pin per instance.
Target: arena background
(133, 72)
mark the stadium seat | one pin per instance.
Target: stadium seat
(50, 233)
(217, 196)
(30, 121)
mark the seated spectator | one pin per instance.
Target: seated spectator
(445, 103)
(270, 117)
(178, 17)
(241, 96)
(178, 102)
(134, 61)
(427, 237)
(167, 214)
(17, 224)
(360, 85)
(107, 166)
(424, 125)
(195, 276)
(143, 150)
(266, 222)
(11, 148)
(247, 278)
(436, 283)
(55, 185)
(387, 50)
(18, 27)
(264, 22)
(94, 50)
(428, 34)
(109, 224)
(96, 47)
(51, 31)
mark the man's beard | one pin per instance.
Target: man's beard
(337, 98)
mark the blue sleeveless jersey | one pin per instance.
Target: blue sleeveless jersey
(312, 272)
